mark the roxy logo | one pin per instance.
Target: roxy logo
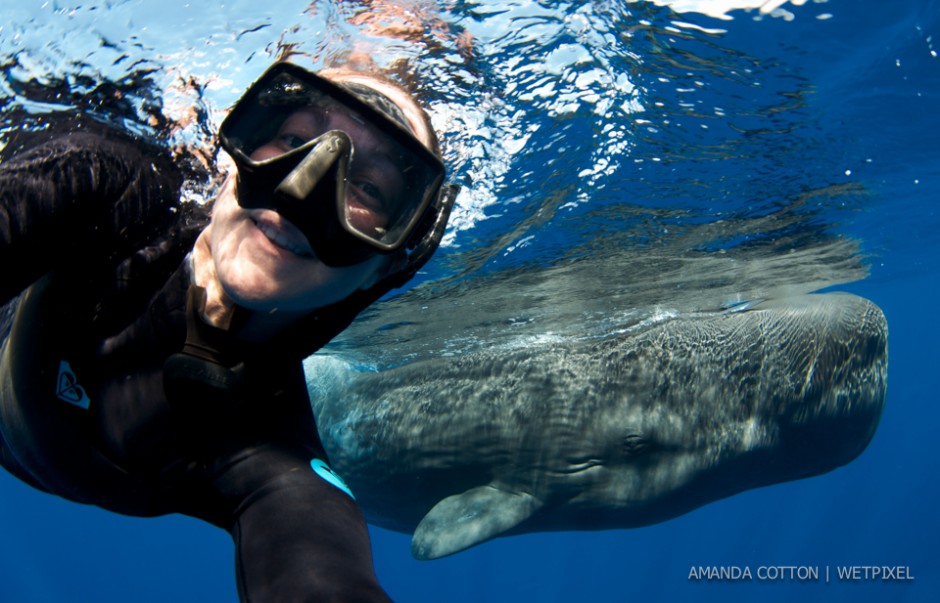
(68, 389)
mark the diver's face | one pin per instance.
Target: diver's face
(264, 263)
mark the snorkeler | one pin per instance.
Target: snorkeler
(153, 364)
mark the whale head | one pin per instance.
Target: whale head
(698, 409)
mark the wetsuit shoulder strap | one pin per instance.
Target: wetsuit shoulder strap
(210, 369)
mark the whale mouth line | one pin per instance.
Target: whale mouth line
(571, 468)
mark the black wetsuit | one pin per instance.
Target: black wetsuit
(93, 246)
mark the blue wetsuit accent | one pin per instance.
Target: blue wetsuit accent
(323, 470)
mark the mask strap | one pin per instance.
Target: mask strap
(429, 236)
(377, 101)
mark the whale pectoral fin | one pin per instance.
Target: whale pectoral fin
(463, 520)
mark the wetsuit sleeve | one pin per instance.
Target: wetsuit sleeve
(301, 539)
(76, 197)
(299, 535)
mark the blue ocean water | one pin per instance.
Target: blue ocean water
(578, 130)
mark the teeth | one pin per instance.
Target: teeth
(280, 240)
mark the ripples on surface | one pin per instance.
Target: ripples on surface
(618, 159)
(625, 163)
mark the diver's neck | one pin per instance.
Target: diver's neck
(220, 309)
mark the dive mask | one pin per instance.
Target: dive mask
(337, 160)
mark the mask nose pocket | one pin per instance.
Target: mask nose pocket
(312, 194)
(323, 168)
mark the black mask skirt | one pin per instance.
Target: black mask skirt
(338, 161)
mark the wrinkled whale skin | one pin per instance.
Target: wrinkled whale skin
(618, 431)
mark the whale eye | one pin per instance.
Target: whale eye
(634, 444)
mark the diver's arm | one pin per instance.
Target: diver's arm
(302, 539)
(80, 195)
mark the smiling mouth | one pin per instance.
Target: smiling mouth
(276, 236)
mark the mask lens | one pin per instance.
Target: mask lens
(386, 185)
(391, 177)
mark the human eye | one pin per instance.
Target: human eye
(290, 141)
(369, 193)
(299, 128)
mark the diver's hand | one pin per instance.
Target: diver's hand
(78, 196)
